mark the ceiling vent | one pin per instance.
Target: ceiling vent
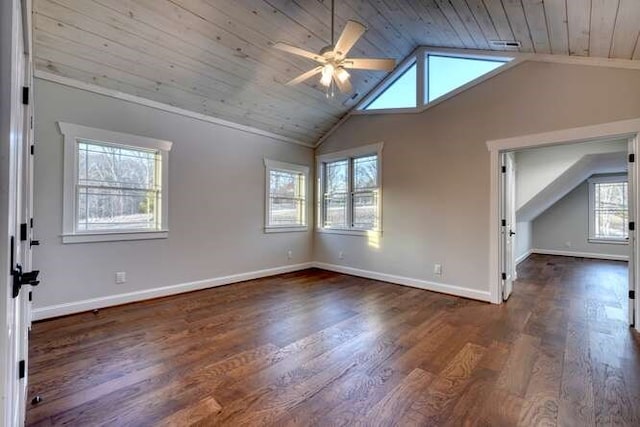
(505, 44)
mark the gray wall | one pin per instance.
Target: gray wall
(216, 198)
(565, 227)
(435, 165)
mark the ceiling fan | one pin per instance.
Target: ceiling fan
(333, 58)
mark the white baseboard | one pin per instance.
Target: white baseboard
(580, 254)
(102, 302)
(408, 281)
(523, 256)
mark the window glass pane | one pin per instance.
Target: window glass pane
(611, 224)
(113, 166)
(286, 212)
(116, 209)
(118, 188)
(283, 183)
(365, 172)
(335, 210)
(286, 199)
(611, 195)
(446, 73)
(336, 179)
(399, 94)
(365, 210)
(611, 211)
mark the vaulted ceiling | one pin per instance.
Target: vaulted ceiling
(215, 57)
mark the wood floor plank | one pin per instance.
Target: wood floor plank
(397, 404)
(576, 395)
(192, 414)
(516, 374)
(610, 389)
(438, 401)
(317, 348)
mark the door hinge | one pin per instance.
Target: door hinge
(32, 148)
(503, 222)
(22, 368)
(25, 95)
(632, 158)
(504, 169)
(632, 294)
(504, 276)
(23, 232)
(632, 225)
(31, 223)
(30, 296)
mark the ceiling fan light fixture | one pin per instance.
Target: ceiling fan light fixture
(327, 75)
(342, 74)
(333, 60)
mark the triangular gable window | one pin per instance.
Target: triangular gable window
(429, 76)
(447, 73)
(401, 93)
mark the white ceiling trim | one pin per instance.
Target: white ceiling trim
(66, 81)
(518, 58)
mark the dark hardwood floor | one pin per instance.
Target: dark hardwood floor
(319, 348)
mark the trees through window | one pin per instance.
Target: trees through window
(117, 188)
(350, 190)
(609, 212)
(286, 196)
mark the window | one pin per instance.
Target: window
(286, 196)
(447, 73)
(608, 209)
(401, 93)
(114, 186)
(349, 190)
(427, 76)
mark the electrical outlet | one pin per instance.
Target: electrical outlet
(121, 277)
(289, 254)
(437, 269)
(341, 255)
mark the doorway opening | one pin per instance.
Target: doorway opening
(538, 180)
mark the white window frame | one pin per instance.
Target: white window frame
(592, 221)
(74, 133)
(419, 57)
(349, 154)
(274, 165)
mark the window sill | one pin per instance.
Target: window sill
(114, 236)
(349, 232)
(285, 229)
(610, 241)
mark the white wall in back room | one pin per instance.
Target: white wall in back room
(216, 203)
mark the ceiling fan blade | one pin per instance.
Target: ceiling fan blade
(304, 76)
(369, 64)
(350, 35)
(300, 52)
(343, 86)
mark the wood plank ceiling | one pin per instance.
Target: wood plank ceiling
(215, 57)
